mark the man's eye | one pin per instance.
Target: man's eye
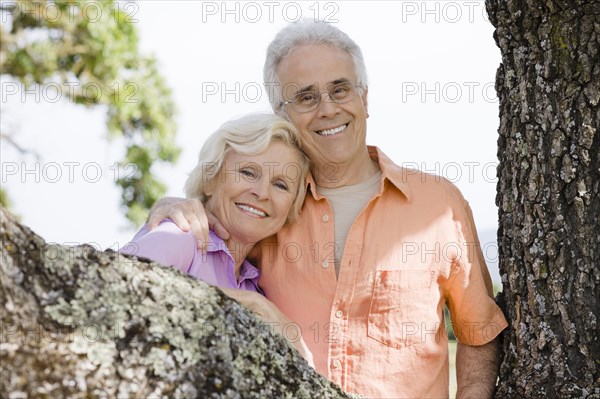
(306, 98)
(340, 90)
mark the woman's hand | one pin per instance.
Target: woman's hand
(270, 314)
(188, 214)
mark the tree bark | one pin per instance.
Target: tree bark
(549, 195)
(80, 323)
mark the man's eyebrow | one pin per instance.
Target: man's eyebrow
(315, 85)
(340, 80)
(307, 88)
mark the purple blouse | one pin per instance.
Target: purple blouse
(169, 245)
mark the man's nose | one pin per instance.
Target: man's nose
(327, 106)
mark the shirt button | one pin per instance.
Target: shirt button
(325, 264)
(339, 314)
(336, 363)
(325, 218)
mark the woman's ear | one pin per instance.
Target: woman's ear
(210, 185)
(364, 98)
(208, 188)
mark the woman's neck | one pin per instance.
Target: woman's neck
(238, 251)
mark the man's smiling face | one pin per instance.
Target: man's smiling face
(332, 133)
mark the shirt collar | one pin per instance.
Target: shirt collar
(247, 269)
(397, 175)
(216, 243)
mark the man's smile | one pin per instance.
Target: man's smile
(330, 132)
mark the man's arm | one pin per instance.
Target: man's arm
(188, 214)
(477, 370)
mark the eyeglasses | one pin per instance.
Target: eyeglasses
(309, 100)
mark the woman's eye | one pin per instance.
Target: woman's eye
(247, 173)
(281, 185)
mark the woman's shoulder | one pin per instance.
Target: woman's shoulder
(166, 243)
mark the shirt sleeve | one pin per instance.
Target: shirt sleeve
(476, 318)
(166, 244)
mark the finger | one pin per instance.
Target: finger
(199, 226)
(177, 217)
(160, 211)
(217, 227)
(154, 219)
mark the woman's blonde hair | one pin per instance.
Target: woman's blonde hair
(249, 135)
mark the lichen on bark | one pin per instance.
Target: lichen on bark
(81, 323)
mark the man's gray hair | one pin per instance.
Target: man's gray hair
(301, 33)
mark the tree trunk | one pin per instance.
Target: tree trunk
(80, 323)
(549, 195)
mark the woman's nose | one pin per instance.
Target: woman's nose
(261, 189)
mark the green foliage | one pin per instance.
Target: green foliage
(497, 288)
(449, 328)
(90, 48)
(4, 201)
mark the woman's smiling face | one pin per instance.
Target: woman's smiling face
(252, 195)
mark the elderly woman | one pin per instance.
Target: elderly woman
(250, 175)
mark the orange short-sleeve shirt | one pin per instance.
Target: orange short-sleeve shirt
(379, 330)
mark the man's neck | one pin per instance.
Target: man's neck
(334, 175)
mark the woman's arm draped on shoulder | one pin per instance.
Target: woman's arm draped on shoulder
(188, 214)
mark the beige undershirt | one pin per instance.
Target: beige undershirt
(347, 202)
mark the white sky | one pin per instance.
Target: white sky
(432, 103)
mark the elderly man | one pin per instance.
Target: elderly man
(377, 250)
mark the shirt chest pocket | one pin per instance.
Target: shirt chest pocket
(401, 307)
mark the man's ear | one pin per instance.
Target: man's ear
(283, 113)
